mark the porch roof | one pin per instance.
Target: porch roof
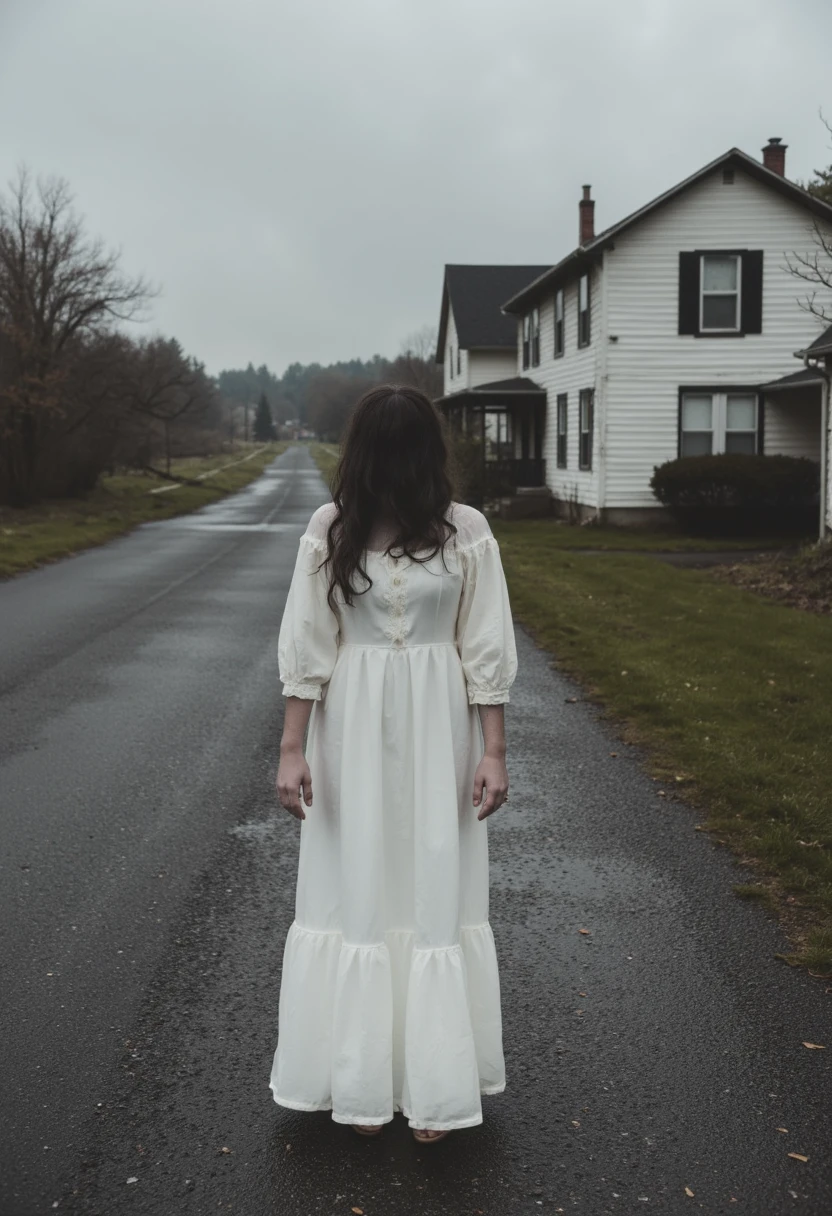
(822, 345)
(497, 392)
(807, 378)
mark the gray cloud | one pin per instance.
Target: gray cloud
(295, 174)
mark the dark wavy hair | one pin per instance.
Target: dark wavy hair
(394, 457)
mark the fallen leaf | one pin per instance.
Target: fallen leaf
(358, 1211)
(815, 1046)
(225, 1150)
(662, 793)
(782, 1129)
(129, 1180)
(798, 1156)
(688, 1191)
(584, 930)
(613, 753)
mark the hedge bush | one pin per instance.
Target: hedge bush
(733, 493)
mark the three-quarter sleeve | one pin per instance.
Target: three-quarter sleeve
(485, 630)
(308, 640)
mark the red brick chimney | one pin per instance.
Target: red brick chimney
(586, 218)
(774, 156)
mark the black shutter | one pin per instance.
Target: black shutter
(689, 293)
(752, 291)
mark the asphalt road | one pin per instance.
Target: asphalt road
(148, 882)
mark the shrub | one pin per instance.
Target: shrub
(739, 493)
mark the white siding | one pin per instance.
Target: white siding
(476, 366)
(453, 383)
(574, 370)
(485, 366)
(792, 425)
(650, 359)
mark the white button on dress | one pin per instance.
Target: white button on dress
(389, 996)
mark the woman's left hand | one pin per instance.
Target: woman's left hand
(490, 784)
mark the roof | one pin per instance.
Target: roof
(584, 255)
(806, 378)
(822, 345)
(497, 390)
(476, 294)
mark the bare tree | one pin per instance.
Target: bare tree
(815, 267)
(59, 292)
(416, 364)
(162, 385)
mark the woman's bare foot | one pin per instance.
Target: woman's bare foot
(368, 1129)
(427, 1135)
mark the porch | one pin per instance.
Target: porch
(796, 423)
(505, 422)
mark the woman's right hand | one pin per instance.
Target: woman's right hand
(293, 775)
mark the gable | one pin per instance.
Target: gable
(475, 294)
(772, 183)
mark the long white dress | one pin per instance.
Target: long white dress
(390, 994)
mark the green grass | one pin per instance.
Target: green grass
(325, 456)
(728, 691)
(31, 536)
(660, 540)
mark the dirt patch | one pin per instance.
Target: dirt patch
(802, 580)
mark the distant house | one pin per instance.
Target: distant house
(671, 333)
(477, 344)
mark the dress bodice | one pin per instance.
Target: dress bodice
(456, 597)
(409, 603)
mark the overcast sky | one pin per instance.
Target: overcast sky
(293, 174)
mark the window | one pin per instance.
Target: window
(584, 328)
(531, 338)
(558, 323)
(499, 438)
(719, 306)
(721, 293)
(563, 413)
(719, 422)
(458, 361)
(585, 425)
(450, 362)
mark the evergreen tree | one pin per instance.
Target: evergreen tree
(264, 428)
(821, 184)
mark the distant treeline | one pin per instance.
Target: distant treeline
(320, 398)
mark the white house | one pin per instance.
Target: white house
(673, 332)
(478, 346)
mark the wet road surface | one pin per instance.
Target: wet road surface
(148, 883)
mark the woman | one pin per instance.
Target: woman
(397, 638)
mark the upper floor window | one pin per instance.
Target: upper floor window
(450, 363)
(586, 423)
(719, 297)
(531, 338)
(558, 323)
(721, 293)
(458, 361)
(562, 420)
(535, 337)
(719, 422)
(584, 311)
